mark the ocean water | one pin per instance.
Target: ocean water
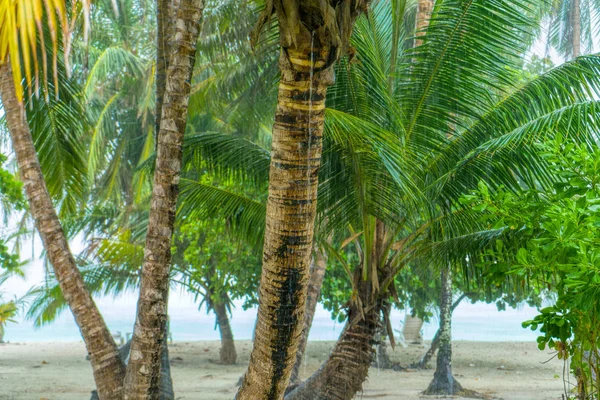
(475, 322)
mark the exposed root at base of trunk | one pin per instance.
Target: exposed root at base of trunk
(437, 388)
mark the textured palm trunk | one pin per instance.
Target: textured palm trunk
(313, 35)
(227, 353)
(347, 367)
(166, 383)
(576, 28)
(291, 208)
(443, 382)
(435, 342)
(143, 370)
(315, 282)
(106, 363)
(424, 10)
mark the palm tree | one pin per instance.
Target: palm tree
(313, 35)
(447, 128)
(571, 25)
(108, 367)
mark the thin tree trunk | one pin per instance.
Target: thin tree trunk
(576, 28)
(227, 353)
(315, 282)
(143, 369)
(107, 366)
(443, 382)
(435, 342)
(425, 8)
(343, 373)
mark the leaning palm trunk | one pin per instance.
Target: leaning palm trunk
(108, 368)
(435, 342)
(143, 369)
(315, 282)
(227, 353)
(343, 373)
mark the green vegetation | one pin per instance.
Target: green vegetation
(403, 157)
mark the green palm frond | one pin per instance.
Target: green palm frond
(57, 126)
(470, 53)
(246, 216)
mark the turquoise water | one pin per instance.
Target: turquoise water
(474, 322)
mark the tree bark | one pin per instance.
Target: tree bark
(227, 353)
(315, 282)
(576, 28)
(291, 209)
(106, 363)
(143, 369)
(166, 383)
(343, 373)
(435, 342)
(313, 34)
(425, 8)
(443, 382)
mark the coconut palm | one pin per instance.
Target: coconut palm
(572, 26)
(108, 367)
(25, 18)
(455, 117)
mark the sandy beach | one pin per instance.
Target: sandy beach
(507, 370)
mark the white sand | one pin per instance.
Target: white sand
(59, 371)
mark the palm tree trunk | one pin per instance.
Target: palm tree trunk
(313, 34)
(443, 382)
(108, 367)
(425, 8)
(315, 282)
(435, 342)
(343, 373)
(227, 353)
(166, 383)
(291, 209)
(143, 369)
(576, 28)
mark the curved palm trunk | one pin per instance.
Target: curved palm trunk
(343, 373)
(142, 376)
(443, 382)
(108, 368)
(227, 353)
(315, 282)
(576, 22)
(435, 342)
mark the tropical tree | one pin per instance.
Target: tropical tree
(24, 19)
(557, 232)
(313, 36)
(572, 25)
(450, 154)
(108, 367)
